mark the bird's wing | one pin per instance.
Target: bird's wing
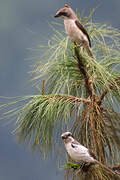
(78, 147)
(74, 145)
(81, 27)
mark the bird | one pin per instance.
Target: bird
(76, 151)
(80, 153)
(74, 28)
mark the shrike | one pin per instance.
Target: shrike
(79, 153)
(76, 151)
(74, 28)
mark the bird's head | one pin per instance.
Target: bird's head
(67, 136)
(66, 13)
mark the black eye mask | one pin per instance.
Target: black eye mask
(62, 14)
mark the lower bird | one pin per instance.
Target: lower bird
(76, 151)
(79, 153)
(74, 28)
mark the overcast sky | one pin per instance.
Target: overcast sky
(23, 25)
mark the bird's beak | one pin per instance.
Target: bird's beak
(57, 15)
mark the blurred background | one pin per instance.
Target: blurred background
(24, 24)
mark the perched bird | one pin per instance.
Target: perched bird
(76, 151)
(74, 28)
(80, 153)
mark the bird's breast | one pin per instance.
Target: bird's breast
(79, 153)
(73, 31)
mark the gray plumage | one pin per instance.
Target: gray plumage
(74, 28)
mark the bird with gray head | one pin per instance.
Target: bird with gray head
(74, 28)
(80, 153)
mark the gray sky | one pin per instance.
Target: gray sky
(24, 24)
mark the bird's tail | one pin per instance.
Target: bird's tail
(88, 49)
(107, 168)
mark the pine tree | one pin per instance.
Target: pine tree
(79, 94)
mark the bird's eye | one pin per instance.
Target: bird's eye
(69, 134)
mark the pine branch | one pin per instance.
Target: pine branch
(82, 68)
(42, 112)
(91, 169)
(102, 96)
(72, 98)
